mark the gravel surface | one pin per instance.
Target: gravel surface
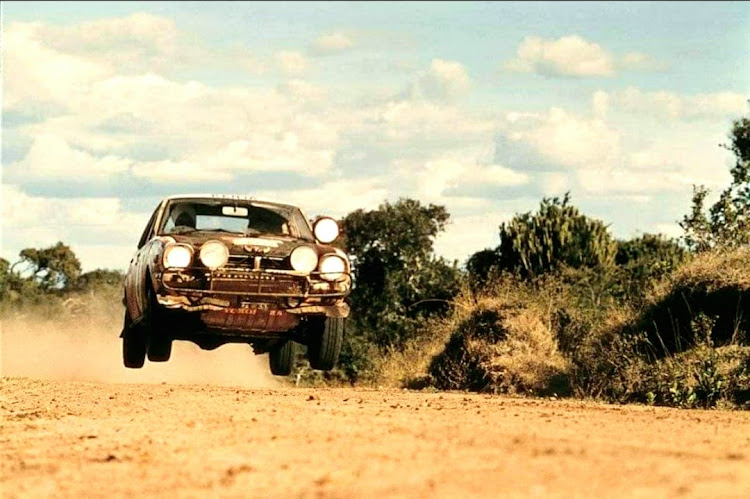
(96, 439)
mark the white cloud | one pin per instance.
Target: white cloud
(444, 80)
(51, 157)
(600, 104)
(674, 106)
(302, 91)
(292, 63)
(330, 43)
(606, 154)
(406, 120)
(171, 172)
(566, 139)
(637, 61)
(553, 183)
(625, 180)
(566, 56)
(335, 198)
(21, 210)
(438, 176)
(139, 40)
(36, 75)
(194, 124)
(274, 152)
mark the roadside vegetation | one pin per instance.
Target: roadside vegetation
(559, 308)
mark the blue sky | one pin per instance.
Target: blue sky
(484, 107)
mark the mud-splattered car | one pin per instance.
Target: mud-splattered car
(232, 269)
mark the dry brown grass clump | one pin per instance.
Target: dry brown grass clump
(716, 270)
(501, 346)
(714, 285)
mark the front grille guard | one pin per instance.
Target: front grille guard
(306, 281)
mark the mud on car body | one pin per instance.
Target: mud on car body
(232, 269)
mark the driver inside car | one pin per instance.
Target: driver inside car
(265, 222)
(183, 217)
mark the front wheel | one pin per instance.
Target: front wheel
(326, 338)
(282, 358)
(133, 349)
(159, 345)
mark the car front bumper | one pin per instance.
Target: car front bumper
(236, 290)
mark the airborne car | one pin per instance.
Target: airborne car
(232, 269)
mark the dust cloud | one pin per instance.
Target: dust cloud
(91, 350)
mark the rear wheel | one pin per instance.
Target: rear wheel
(282, 358)
(326, 338)
(159, 349)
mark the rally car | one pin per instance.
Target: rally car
(216, 269)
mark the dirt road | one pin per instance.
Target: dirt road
(94, 439)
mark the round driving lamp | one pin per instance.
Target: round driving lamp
(214, 254)
(177, 256)
(326, 230)
(304, 259)
(332, 267)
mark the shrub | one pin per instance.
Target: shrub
(502, 347)
(717, 285)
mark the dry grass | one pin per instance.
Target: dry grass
(561, 334)
(716, 270)
(713, 285)
(499, 344)
(528, 359)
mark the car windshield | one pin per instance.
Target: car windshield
(182, 216)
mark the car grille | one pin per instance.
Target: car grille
(266, 263)
(261, 283)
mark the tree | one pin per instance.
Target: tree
(482, 267)
(5, 278)
(398, 280)
(557, 235)
(100, 278)
(104, 283)
(649, 256)
(727, 224)
(51, 268)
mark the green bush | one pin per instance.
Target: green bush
(557, 236)
(399, 283)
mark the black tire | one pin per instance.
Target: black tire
(159, 349)
(282, 357)
(159, 345)
(326, 338)
(133, 349)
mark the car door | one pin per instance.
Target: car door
(135, 280)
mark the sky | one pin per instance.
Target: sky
(482, 107)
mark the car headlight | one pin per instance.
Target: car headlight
(214, 254)
(177, 256)
(304, 259)
(326, 230)
(332, 267)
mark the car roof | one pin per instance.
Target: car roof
(228, 197)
